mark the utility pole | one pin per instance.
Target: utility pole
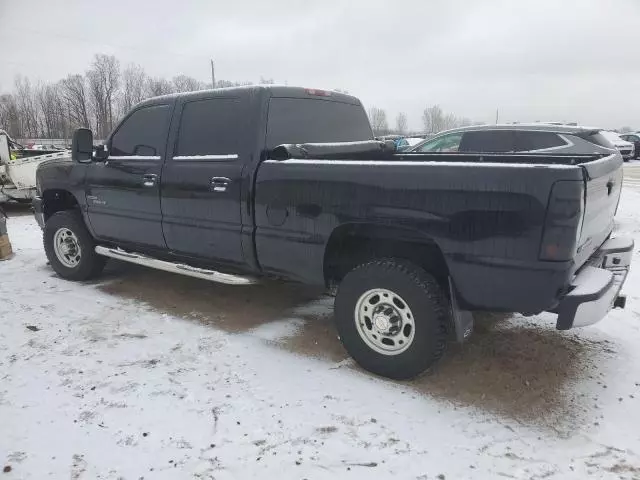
(496, 115)
(213, 76)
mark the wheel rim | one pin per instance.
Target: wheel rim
(67, 247)
(384, 321)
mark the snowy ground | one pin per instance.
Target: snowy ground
(150, 375)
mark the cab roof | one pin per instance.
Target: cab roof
(281, 91)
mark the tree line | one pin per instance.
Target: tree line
(96, 99)
(434, 120)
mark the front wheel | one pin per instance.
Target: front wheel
(392, 318)
(70, 248)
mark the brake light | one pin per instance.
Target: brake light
(317, 93)
(563, 221)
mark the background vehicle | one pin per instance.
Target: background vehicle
(626, 149)
(525, 138)
(635, 139)
(18, 169)
(221, 185)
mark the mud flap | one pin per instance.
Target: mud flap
(462, 319)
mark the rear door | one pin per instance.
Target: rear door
(202, 180)
(123, 192)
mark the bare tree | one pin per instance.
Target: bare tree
(402, 124)
(625, 129)
(104, 82)
(378, 119)
(95, 99)
(73, 91)
(27, 107)
(450, 121)
(54, 117)
(433, 119)
(134, 82)
(159, 86)
(10, 115)
(184, 83)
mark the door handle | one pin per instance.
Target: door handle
(149, 179)
(219, 184)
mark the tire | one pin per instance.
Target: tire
(423, 301)
(68, 227)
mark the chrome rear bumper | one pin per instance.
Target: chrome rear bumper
(596, 287)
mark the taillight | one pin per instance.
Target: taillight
(563, 222)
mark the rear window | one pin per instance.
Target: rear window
(301, 120)
(531, 141)
(496, 141)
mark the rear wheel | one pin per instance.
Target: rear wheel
(70, 248)
(392, 318)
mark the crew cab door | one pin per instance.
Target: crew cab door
(202, 179)
(123, 192)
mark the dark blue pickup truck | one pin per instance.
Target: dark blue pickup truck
(241, 184)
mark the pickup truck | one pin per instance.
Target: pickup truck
(244, 184)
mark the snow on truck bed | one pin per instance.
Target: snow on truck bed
(144, 374)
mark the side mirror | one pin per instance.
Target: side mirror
(82, 145)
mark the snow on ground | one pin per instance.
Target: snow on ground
(144, 374)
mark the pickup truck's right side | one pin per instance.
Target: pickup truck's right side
(509, 233)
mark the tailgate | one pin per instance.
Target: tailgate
(603, 184)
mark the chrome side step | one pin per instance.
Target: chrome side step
(180, 268)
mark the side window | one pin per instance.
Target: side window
(143, 133)
(445, 143)
(488, 141)
(529, 141)
(210, 128)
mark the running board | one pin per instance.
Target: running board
(180, 268)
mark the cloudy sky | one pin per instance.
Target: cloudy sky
(568, 60)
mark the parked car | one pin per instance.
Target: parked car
(519, 138)
(626, 148)
(635, 139)
(222, 185)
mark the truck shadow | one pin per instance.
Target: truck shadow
(523, 370)
(518, 368)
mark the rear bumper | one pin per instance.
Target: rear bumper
(595, 288)
(37, 211)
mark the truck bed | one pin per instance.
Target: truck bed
(486, 213)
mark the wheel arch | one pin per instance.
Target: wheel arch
(56, 200)
(352, 244)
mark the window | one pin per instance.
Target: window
(211, 127)
(488, 141)
(303, 120)
(445, 143)
(527, 141)
(633, 138)
(143, 133)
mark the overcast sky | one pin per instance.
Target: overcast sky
(566, 60)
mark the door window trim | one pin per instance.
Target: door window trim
(204, 158)
(134, 157)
